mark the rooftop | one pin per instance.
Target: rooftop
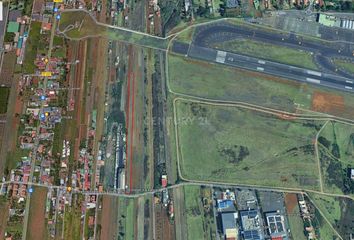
(251, 225)
(13, 27)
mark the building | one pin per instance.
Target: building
(229, 228)
(13, 27)
(251, 225)
(164, 181)
(276, 225)
(226, 206)
(352, 173)
(232, 3)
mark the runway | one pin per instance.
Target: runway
(201, 48)
(264, 66)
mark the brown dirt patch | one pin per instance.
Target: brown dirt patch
(109, 217)
(164, 228)
(327, 102)
(290, 202)
(36, 220)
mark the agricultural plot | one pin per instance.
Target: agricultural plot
(198, 222)
(245, 147)
(4, 96)
(217, 82)
(294, 218)
(268, 51)
(336, 143)
(338, 211)
(36, 221)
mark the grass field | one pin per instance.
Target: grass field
(347, 66)
(32, 44)
(36, 220)
(200, 225)
(270, 52)
(72, 221)
(242, 146)
(329, 207)
(337, 153)
(4, 96)
(339, 212)
(194, 214)
(294, 218)
(217, 82)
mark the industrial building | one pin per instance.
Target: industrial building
(251, 224)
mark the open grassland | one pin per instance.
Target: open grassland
(32, 45)
(36, 220)
(186, 36)
(79, 24)
(229, 144)
(269, 51)
(346, 66)
(338, 211)
(217, 82)
(4, 96)
(337, 153)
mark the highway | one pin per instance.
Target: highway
(265, 66)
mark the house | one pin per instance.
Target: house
(229, 228)
(164, 181)
(352, 173)
(226, 206)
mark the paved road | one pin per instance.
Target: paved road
(264, 66)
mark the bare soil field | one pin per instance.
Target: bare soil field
(36, 221)
(4, 205)
(164, 228)
(8, 67)
(326, 102)
(290, 202)
(109, 217)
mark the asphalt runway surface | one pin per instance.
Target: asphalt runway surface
(207, 35)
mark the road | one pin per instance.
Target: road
(36, 143)
(264, 66)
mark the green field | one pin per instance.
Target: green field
(328, 206)
(200, 225)
(245, 147)
(337, 153)
(213, 81)
(194, 215)
(346, 66)
(32, 45)
(296, 226)
(4, 97)
(338, 211)
(270, 52)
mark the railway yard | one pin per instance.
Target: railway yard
(117, 122)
